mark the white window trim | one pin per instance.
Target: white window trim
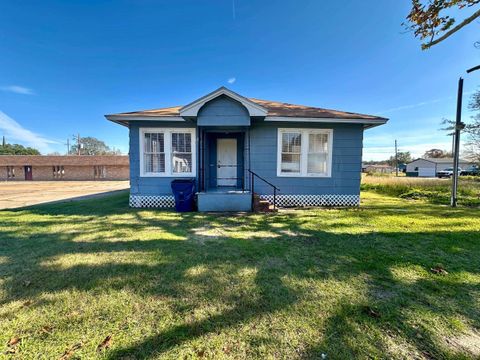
(168, 152)
(304, 152)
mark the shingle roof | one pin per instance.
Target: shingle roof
(444, 160)
(274, 108)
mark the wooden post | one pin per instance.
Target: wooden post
(396, 158)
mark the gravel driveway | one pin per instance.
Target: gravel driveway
(19, 194)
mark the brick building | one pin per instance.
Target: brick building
(72, 167)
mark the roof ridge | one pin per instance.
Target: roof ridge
(315, 107)
(274, 109)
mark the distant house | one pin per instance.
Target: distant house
(72, 167)
(221, 140)
(402, 167)
(428, 167)
(378, 168)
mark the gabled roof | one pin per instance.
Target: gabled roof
(444, 160)
(253, 108)
(271, 110)
(440, 160)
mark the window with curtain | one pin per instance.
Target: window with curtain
(181, 152)
(291, 152)
(154, 153)
(317, 154)
(167, 152)
(304, 152)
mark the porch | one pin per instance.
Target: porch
(224, 159)
(225, 180)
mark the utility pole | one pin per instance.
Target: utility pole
(78, 144)
(68, 146)
(458, 126)
(396, 158)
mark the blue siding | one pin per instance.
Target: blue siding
(346, 166)
(149, 185)
(346, 160)
(223, 111)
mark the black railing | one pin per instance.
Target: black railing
(275, 189)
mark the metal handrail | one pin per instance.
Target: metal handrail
(275, 189)
(261, 178)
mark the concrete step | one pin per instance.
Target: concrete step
(218, 202)
(260, 205)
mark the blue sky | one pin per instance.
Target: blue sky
(64, 64)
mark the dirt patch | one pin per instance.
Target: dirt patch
(19, 194)
(466, 343)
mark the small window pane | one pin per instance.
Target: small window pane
(154, 143)
(291, 142)
(317, 163)
(181, 142)
(182, 163)
(154, 163)
(290, 163)
(318, 143)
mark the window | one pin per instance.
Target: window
(304, 152)
(154, 153)
(58, 171)
(10, 172)
(291, 152)
(181, 152)
(167, 152)
(99, 171)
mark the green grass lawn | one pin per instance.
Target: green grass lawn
(297, 284)
(436, 191)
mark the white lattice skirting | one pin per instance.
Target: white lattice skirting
(168, 201)
(146, 201)
(314, 200)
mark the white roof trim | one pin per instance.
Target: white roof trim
(193, 108)
(142, 118)
(367, 122)
(124, 120)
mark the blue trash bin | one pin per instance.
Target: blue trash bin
(184, 193)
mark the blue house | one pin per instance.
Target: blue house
(235, 147)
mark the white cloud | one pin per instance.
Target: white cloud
(231, 80)
(17, 89)
(412, 106)
(422, 103)
(14, 132)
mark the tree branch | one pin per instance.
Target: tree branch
(453, 30)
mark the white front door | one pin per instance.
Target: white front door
(226, 162)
